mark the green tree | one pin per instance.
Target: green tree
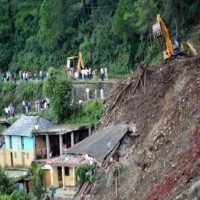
(52, 27)
(7, 185)
(59, 90)
(38, 180)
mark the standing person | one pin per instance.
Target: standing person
(30, 76)
(29, 106)
(102, 74)
(86, 73)
(6, 110)
(20, 74)
(12, 111)
(36, 75)
(24, 106)
(41, 75)
(27, 76)
(90, 73)
(83, 73)
(5, 77)
(9, 110)
(106, 73)
(24, 75)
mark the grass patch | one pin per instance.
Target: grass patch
(91, 112)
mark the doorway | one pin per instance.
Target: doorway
(11, 159)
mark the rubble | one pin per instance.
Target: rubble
(162, 162)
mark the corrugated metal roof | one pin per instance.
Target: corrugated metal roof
(25, 125)
(62, 129)
(100, 144)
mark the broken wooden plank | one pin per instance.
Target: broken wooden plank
(81, 191)
(106, 162)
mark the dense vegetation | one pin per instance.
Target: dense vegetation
(7, 189)
(112, 33)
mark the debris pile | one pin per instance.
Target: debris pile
(164, 160)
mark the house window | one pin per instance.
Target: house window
(22, 142)
(66, 171)
(10, 141)
(27, 156)
(15, 155)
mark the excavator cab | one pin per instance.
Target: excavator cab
(75, 61)
(176, 44)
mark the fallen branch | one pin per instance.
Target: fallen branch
(111, 116)
(119, 95)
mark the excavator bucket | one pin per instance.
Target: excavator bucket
(157, 31)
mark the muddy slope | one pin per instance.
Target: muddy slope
(164, 160)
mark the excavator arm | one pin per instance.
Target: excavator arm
(160, 29)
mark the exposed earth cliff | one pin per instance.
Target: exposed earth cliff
(162, 160)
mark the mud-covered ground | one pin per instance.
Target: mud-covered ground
(163, 161)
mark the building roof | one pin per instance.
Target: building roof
(100, 144)
(25, 125)
(62, 129)
(67, 161)
(16, 173)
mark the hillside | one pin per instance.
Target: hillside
(163, 162)
(116, 34)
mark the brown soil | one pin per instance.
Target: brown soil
(164, 160)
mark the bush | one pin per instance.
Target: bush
(7, 185)
(81, 172)
(89, 113)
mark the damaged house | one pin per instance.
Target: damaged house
(99, 148)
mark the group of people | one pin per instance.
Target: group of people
(40, 104)
(9, 111)
(26, 106)
(87, 73)
(7, 76)
(26, 76)
(23, 75)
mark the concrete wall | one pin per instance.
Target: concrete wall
(80, 87)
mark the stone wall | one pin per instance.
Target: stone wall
(94, 89)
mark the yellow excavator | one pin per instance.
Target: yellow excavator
(75, 62)
(173, 46)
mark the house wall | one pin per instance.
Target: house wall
(21, 157)
(71, 179)
(54, 176)
(2, 156)
(28, 143)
